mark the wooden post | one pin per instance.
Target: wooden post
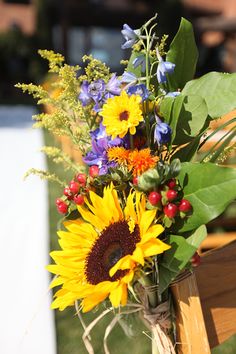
(190, 326)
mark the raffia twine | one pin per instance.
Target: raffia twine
(158, 320)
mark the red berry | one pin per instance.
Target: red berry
(195, 260)
(135, 180)
(59, 201)
(67, 192)
(170, 210)
(93, 171)
(185, 206)
(154, 198)
(74, 187)
(171, 194)
(79, 199)
(82, 178)
(171, 183)
(62, 208)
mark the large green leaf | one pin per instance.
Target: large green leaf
(209, 188)
(184, 54)
(192, 118)
(176, 258)
(186, 115)
(218, 90)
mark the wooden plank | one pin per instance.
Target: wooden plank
(216, 279)
(215, 240)
(190, 327)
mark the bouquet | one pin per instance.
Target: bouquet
(135, 210)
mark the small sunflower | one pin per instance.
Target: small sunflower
(101, 251)
(122, 114)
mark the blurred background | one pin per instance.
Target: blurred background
(93, 26)
(75, 28)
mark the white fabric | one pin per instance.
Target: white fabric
(26, 321)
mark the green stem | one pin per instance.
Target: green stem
(131, 140)
(152, 295)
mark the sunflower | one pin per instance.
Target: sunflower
(101, 251)
(122, 114)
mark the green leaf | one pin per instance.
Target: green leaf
(175, 259)
(192, 119)
(209, 188)
(186, 115)
(130, 68)
(218, 90)
(184, 54)
(188, 151)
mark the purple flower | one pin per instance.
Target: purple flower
(173, 94)
(98, 155)
(162, 133)
(130, 36)
(140, 61)
(113, 86)
(164, 67)
(139, 90)
(128, 77)
(84, 95)
(96, 90)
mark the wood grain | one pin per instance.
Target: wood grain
(216, 279)
(190, 327)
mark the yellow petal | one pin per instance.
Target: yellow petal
(138, 255)
(119, 295)
(152, 232)
(146, 220)
(124, 263)
(81, 228)
(153, 247)
(89, 302)
(91, 218)
(129, 209)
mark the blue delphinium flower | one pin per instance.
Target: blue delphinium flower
(96, 90)
(173, 94)
(84, 95)
(130, 36)
(139, 90)
(113, 87)
(98, 155)
(140, 61)
(128, 77)
(163, 68)
(162, 133)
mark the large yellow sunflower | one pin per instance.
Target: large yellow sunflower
(122, 114)
(101, 251)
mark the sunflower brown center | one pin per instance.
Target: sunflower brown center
(115, 242)
(124, 115)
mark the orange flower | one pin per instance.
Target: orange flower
(118, 154)
(140, 161)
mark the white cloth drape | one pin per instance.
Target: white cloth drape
(26, 321)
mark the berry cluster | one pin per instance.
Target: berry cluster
(169, 199)
(74, 192)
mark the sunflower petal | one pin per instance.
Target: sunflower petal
(146, 220)
(119, 295)
(123, 263)
(153, 247)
